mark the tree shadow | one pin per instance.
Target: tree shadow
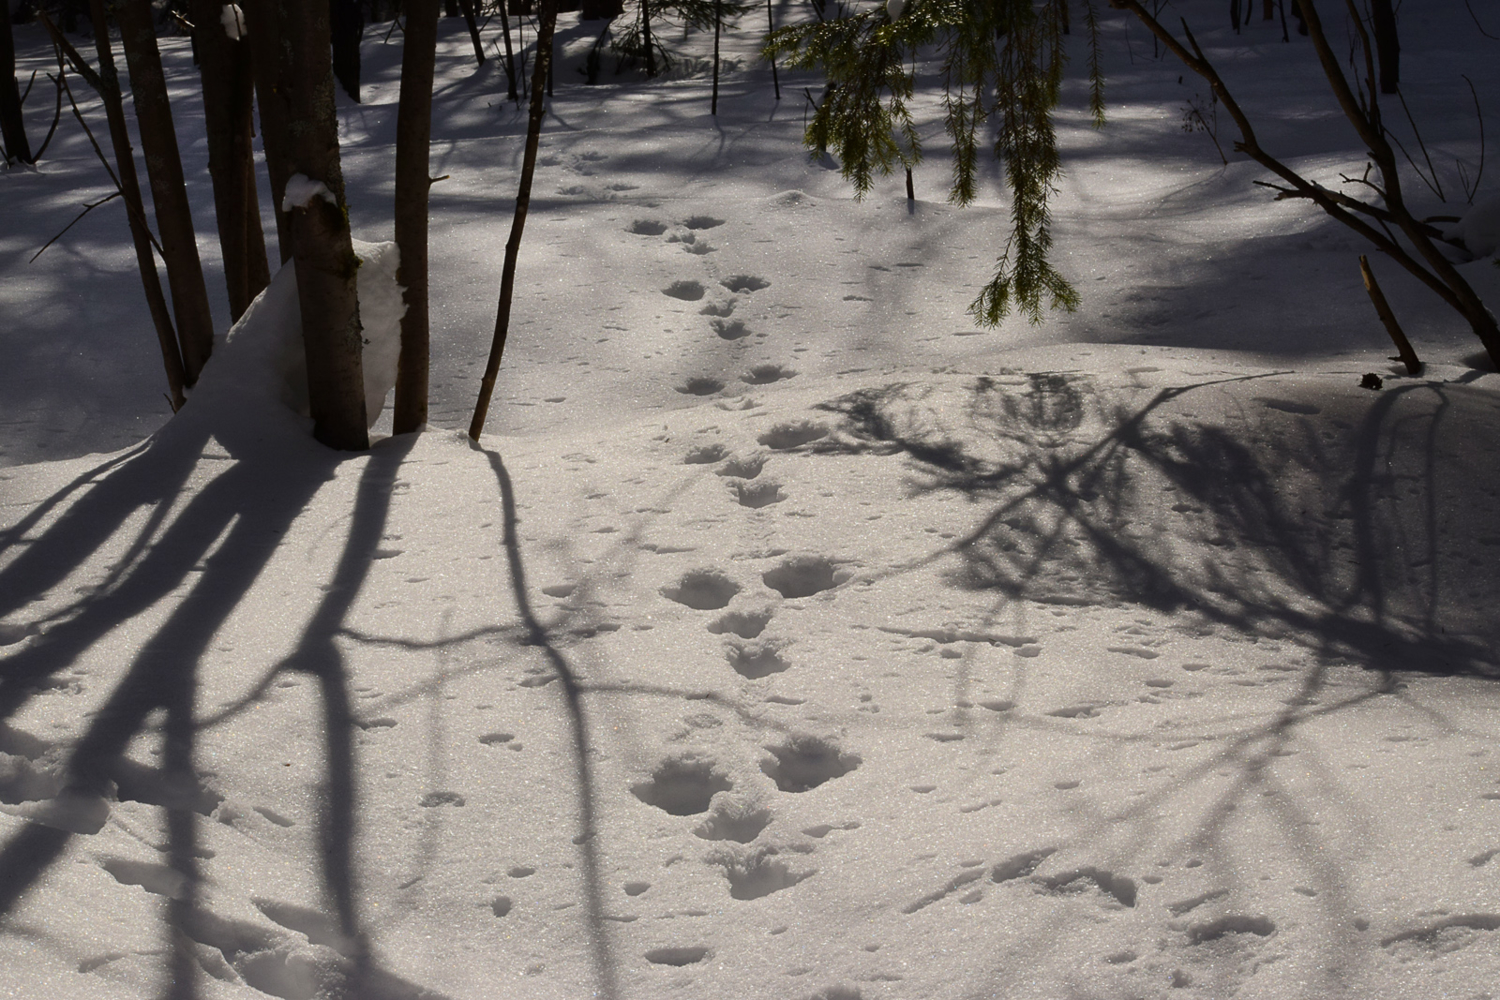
(1345, 533)
(209, 548)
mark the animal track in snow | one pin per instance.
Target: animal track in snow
(1212, 930)
(754, 660)
(757, 875)
(730, 329)
(744, 283)
(646, 227)
(745, 624)
(998, 705)
(824, 829)
(705, 454)
(793, 434)
(743, 468)
(676, 956)
(802, 763)
(635, 888)
(702, 590)
(700, 386)
(1446, 934)
(756, 495)
(722, 309)
(702, 222)
(1020, 865)
(159, 880)
(1177, 909)
(803, 576)
(506, 740)
(682, 786)
(766, 374)
(1075, 712)
(687, 291)
(434, 799)
(1118, 886)
(737, 821)
(500, 905)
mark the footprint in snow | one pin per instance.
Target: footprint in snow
(730, 329)
(766, 374)
(702, 590)
(646, 227)
(682, 786)
(677, 956)
(802, 763)
(702, 222)
(758, 874)
(740, 822)
(754, 660)
(700, 386)
(804, 576)
(745, 624)
(792, 434)
(742, 468)
(756, 495)
(705, 454)
(687, 291)
(744, 283)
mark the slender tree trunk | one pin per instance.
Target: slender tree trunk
(321, 248)
(713, 103)
(771, 26)
(347, 26)
(228, 102)
(130, 191)
(413, 136)
(1387, 45)
(510, 56)
(264, 21)
(548, 19)
(174, 219)
(473, 24)
(12, 124)
(646, 35)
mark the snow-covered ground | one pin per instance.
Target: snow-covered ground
(788, 636)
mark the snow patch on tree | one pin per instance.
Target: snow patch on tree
(301, 190)
(233, 20)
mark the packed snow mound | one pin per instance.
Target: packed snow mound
(262, 355)
(1479, 228)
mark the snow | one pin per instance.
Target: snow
(301, 190)
(786, 636)
(233, 20)
(1479, 229)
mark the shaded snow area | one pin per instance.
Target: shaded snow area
(787, 637)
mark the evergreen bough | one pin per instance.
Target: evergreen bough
(1002, 67)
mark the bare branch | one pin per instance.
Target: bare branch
(87, 208)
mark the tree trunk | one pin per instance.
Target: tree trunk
(1387, 45)
(473, 24)
(547, 21)
(319, 227)
(713, 102)
(174, 219)
(646, 35)
(601, 10)
(264, 22)
(413, 137)
(12, 125)
(510, 56)
(130, 191)
(228, 101)
(347, 25)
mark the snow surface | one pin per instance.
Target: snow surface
(787, 636)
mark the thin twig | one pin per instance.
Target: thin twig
(1479, 115)
(102, 159)
(1435, 185)
(87, 208)
(56, 117)
(1405, 354)
(28, 87)
(1486, 34)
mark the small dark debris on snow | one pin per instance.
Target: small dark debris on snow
(1371, 381)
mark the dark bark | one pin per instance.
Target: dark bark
(547, 21)
(601, 10)
(12, 125)
(771, 26)
(108, 85)
(264, 22)
(347, 26)
(510, 56)
(319, 227)
(646, 37)
(174, 219)
(413, 137)
(1387, 45)
(473, 25)
(228, 103)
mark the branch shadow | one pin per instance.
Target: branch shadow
(187, 564)
(1345, 533)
